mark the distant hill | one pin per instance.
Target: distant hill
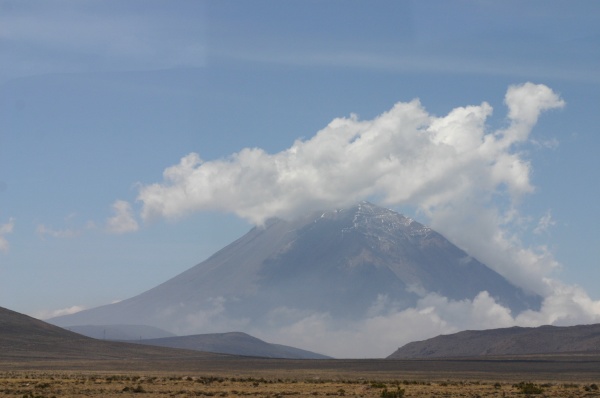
(507, 341)
(120, 332)
(23, 338)
(234, 343)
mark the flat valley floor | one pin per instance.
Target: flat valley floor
(561, 376)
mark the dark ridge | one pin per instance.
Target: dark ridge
(507, 341)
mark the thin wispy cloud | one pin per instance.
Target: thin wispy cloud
(72, 230)
(6, 229)
(47, 314)
(41, 40)
(44, 231)
(544, 224)
(413, 60)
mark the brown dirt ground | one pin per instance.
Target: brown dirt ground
(37, 384)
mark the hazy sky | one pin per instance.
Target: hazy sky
(139, 137)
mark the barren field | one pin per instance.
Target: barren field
(223, 376)
(97, 384)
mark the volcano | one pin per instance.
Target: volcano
(340, 263)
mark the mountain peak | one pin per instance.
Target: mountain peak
(340, 263)
(375, 220)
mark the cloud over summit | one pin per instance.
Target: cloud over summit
(451, 168)
(403, 156)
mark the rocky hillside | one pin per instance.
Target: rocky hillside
(23, 338)
(507, 341)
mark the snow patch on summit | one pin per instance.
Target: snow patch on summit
(372, 220)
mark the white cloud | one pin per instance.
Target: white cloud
(43, 231)
(404, 155)
(544, 224)
(6, 229)
(380, 335)
(526, 102)
(48, 314)
(123, 221)
(467, 180)
(566, 305)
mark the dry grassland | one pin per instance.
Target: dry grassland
(64, 384)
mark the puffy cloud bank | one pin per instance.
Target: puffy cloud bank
(404, 156)
(466, 179)
(379, 335)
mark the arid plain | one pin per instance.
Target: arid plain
(168, 384)
(228, 376)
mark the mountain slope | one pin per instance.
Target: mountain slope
(339, 263)
(234, 343)
(23, 338)
(507, 341)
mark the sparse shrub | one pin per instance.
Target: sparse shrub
(385, 393)
(378, 384)
(497, 385)
(139, 389)
(529, 388)
(591, 387)
(31, 395)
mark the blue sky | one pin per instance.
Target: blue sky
(99, 98)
